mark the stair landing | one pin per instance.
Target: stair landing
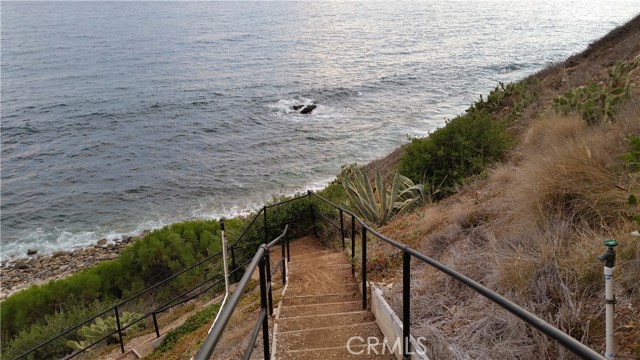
(321, 314)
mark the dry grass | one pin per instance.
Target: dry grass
(532, 232)
(571, 173)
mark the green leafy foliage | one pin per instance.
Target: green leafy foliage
(158, 255)
(507, 101)
(52, 325)
(378, 203)
(596, 102)
(101, 328)
(462, 148)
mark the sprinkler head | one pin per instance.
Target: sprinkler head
(609, 257)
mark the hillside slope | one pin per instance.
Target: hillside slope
(532, 226)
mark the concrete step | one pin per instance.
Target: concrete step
(322, 276)
(320, 309)
(358, 352)
(309, 253)
(298, 289)
(321, 299)
(308, 322)
(328, 337)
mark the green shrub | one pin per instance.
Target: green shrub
(507, 102)
(462, 148)
(49, 328)
(158, 255)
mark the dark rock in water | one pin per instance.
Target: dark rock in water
(308, 109)
(31, 252)
(297, 107)
(102, 241)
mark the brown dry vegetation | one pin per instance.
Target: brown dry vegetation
(532, 228)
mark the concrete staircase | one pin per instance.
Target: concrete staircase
(321, 314)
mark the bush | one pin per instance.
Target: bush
(462, 148)
(158, 255)
(51, 326)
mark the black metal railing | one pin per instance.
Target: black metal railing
(554, 333)
(120, 328)
(261, 261)
(237, 250)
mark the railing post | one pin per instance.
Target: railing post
(268, 270)
(313, 220)
(288, 251)
(266, 232)
(263, 305)
(406, 305)
(155, 324)
(364, 267)
(233, 265)
(284, 263)
(342, 229)
(353, 244)
(119, 329)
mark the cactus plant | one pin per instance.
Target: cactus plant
(101, 328)
(596, 101)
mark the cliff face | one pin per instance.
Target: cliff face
(531, 227)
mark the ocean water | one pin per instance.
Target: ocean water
(122, 116)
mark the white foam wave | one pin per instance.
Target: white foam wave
(285, 106)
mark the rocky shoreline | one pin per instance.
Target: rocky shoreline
(18, 274)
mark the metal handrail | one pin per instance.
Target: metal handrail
(564, 339)
(215, 333)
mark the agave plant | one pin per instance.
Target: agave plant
(379, 203)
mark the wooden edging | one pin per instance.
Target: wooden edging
(391, 325)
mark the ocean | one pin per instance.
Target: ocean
(117, 117)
